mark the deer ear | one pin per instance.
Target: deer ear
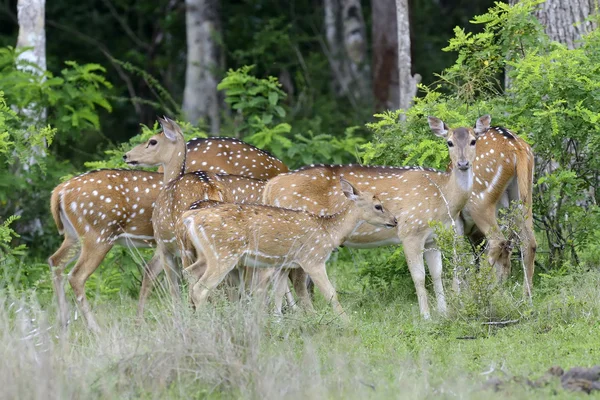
(438, 126)
(170, 128)
(483, 124)
(349, 191)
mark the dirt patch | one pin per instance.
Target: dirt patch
(576, 379)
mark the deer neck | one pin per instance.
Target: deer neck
(341, 224)
(458, 188)
(176, 164)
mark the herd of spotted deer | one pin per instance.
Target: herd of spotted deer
(222, 204)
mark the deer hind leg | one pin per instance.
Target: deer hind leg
(499, 249)
(528, 249)
(67, 252)
(318, 273)
(433, 257)
(192, 274)
(216, 271)
(413, 251)
(281, 288)
(151, 272)
(92, 254)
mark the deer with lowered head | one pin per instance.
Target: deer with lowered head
(98, 209)
(179, 191)
(414, 195)
(226, 236)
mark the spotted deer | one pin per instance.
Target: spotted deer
(502, 174)
(414, 195)
(98, 209)
(179, 191)
(229, 235)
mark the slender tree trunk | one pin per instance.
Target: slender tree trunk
(347, 49)
(32, 35)
(408, 82)
(385, 55)
(200, 97)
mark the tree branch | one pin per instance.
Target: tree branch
(123, 24)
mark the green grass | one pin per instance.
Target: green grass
(239, 351)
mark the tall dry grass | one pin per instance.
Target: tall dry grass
(224, 351)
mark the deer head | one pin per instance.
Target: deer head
(370, 208)
(461, 141)
(160, 148)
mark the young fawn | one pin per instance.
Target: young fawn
(229, 235)
(414, 195)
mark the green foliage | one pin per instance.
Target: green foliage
(261, 122)
(256, 100)
(72, 99)
(7, 234)
(509, 34)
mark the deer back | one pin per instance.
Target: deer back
(407, 192)
(231, 156)
(242, 189)
(177, 197)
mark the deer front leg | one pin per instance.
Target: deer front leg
(170, 266)
(318, 274)
(299, 280)
(433, 257)
(413, 251)
(151, 272)
(499, 248)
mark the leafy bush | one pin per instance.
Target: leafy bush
(261, 122)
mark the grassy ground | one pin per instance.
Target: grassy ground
(238, 351)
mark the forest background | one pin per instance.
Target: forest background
(310, 81)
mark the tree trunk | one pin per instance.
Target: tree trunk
(385, 55)
(32, 33)
(200, 97)
(408, 82)
(563, 20)
(347, 49)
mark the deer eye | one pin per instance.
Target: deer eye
(473, 142)
(450, 144)
(378, 207)
(152, 142)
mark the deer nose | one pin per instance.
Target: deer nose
(462, 165)
(125, 157)
(395, 221)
